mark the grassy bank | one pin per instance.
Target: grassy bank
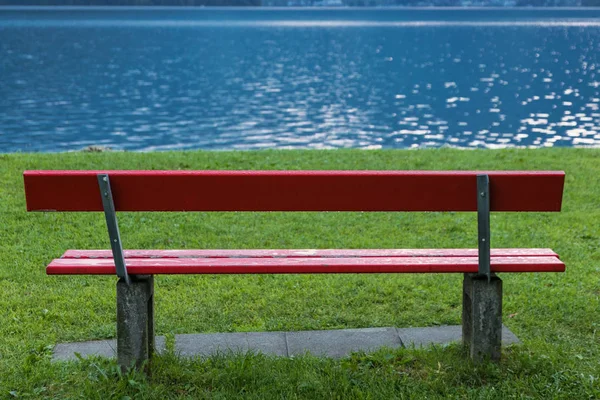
(557, 316)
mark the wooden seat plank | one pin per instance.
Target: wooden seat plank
(307, 253)
(143, 266)
(294, 190)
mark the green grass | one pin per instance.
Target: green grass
(557, 316)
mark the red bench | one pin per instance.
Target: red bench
(481, 192)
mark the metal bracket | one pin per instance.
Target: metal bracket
(483, 225)
(113, 227)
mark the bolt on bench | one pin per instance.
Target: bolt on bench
(262, 191)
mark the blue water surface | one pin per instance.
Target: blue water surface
(188, 78)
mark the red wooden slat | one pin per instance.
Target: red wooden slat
(293, 190)
(303, 265)
(307, 253)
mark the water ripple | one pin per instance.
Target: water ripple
(257, 84)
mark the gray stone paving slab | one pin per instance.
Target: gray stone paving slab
(273, 343)
(66, 351)
(103, 348)
(205, 344)
(339, 343)
(443, 335)
(330, 343)
(508, 337)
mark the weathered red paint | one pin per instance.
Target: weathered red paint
(293, 190)
(307, 253)
(139, 266)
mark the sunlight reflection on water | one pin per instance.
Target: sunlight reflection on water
(71, 81)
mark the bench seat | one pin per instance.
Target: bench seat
(152, 262)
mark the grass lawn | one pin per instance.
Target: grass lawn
(557, 316)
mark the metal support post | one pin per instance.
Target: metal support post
(483, 225)
(113, 227)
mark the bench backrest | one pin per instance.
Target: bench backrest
(294, 190)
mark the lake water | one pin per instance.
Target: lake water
(169, 78)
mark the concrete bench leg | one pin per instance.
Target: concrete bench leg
(482, 317)
(135, 321)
